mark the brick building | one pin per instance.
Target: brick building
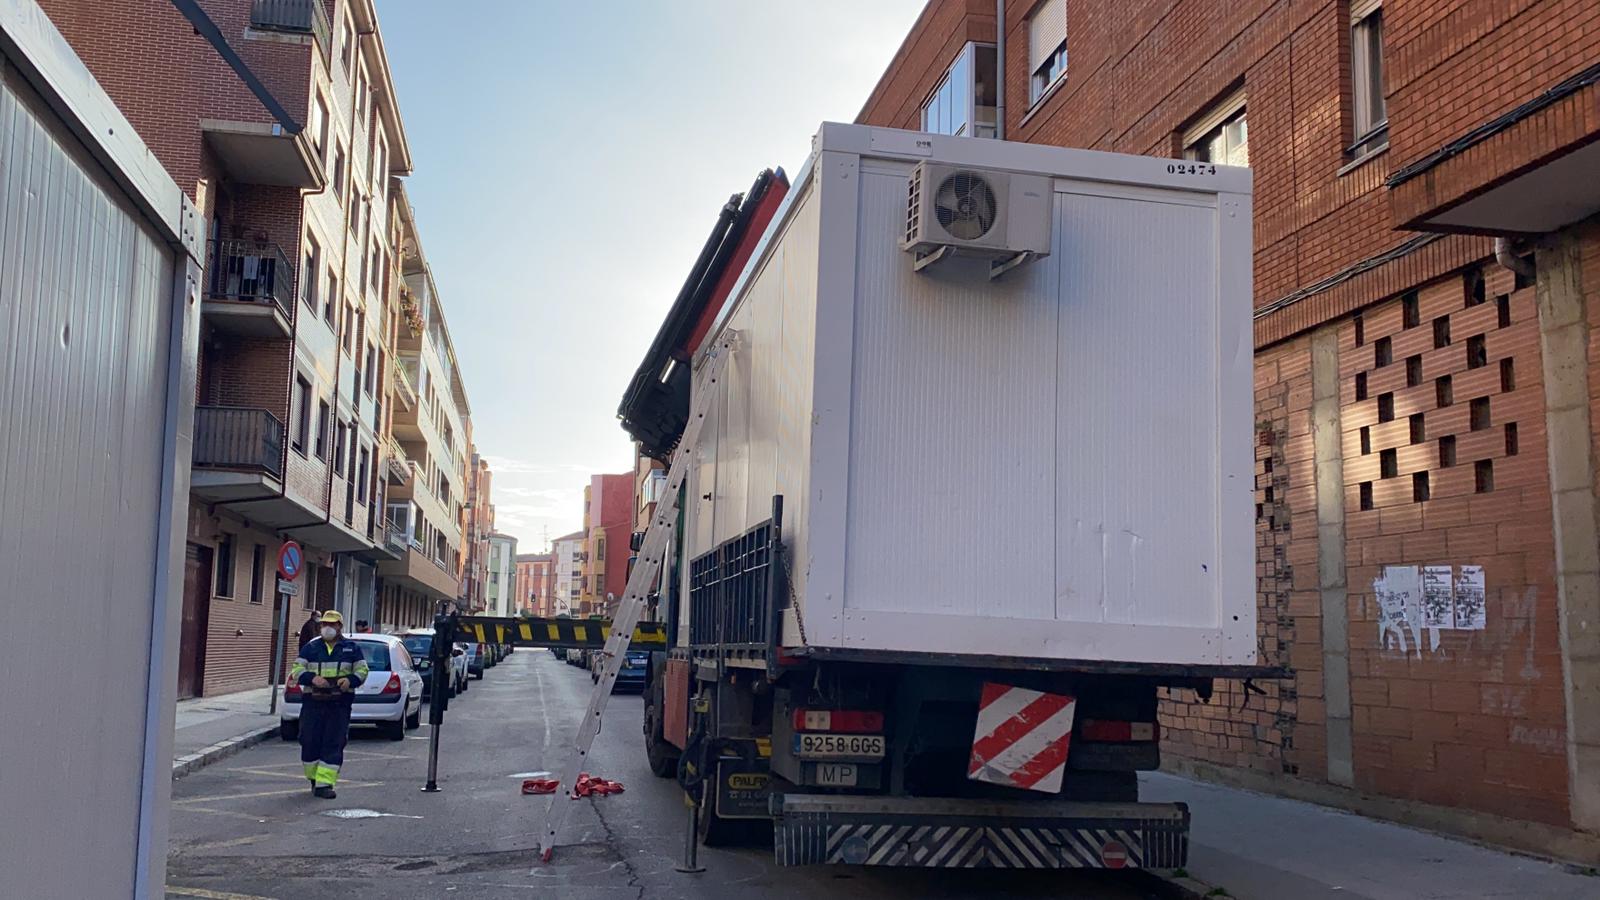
(569, 554)
(536, 584)
(607, 528)
(1425, 394)
(291, 150)
(477, 526)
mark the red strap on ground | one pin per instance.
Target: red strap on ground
(540, 786)
(588, 786)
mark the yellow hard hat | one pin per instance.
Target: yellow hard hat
(332, 616)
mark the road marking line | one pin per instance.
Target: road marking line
(212, 895)
(234, 842)
(348, 784)
(224, 812)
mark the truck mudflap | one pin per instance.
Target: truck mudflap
(977, 834)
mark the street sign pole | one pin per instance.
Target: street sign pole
(290, 561)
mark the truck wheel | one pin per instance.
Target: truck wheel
(662, 755)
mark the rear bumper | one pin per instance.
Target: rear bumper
(966, 834)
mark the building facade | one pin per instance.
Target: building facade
(649, 482)
(500, 575)
(477, 524)
(1426, 394)
(294, 179)
(535, 586)
(430, 424)
(569, 559)
(607, 527)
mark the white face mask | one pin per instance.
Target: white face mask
(329, 632)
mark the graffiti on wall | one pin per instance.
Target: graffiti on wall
(1413, 601)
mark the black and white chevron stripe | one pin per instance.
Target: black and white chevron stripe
(956, 846)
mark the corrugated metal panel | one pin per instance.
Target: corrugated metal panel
(733, 433)
(793, 375)
(1136, 516)
(85, 300)
(952, 444)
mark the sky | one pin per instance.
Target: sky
(569, 161)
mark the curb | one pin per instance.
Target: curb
(1166, 883)
(193, 762)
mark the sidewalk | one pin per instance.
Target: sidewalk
(210, 728)
(1259, 847)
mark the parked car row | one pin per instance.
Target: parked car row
(631, 677)
(399, 679)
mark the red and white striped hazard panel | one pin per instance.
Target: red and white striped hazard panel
(1021, 739)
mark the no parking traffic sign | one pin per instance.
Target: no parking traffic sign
(290, 561)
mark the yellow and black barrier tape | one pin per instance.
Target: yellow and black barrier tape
(582, 634)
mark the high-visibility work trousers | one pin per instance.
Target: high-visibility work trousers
(324, 728)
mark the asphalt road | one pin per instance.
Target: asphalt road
(249, 828)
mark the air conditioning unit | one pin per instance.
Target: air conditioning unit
(976, 212)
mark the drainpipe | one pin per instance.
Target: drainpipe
(1504, 256)
(999, 70)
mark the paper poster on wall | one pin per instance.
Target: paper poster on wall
(1469, 599)
(1399, 592)
(1438, 598)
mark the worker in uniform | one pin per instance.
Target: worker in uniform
(328, 670)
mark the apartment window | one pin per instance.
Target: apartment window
(323, 419)
(302, 415)
(964, 102)
(333, 297)
(317, 124)
(372, 366)
(361, 476)
(347, 42)
(310, 273)
(1047, 46)
(338, 444)
(258, 556)
(347, 337)
(360, 98)
(338, 170)
(380, 171)
(1221, 135)
(1370, 113)
(225, 566)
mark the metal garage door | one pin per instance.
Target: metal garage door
(86, 306)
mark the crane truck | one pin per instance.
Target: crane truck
(974, 484)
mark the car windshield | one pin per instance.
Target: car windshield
(377, 654)
(418, 644)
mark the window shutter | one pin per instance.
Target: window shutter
(1047, 28)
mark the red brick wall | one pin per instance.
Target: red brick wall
(176, 78)
(1478, 721)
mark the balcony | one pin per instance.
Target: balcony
(401, 385)
(236, 437)
(395, 541)
(249, 288)
(291, 17)
(398, 467)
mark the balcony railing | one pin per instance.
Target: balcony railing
(254, 271)
(395, 538)
(235, 437)
(293, 16)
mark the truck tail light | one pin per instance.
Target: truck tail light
(848, 720)
(393, 687)
(1105, 731)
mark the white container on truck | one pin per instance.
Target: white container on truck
(976, 482)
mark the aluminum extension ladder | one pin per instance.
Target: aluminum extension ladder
(657, 538)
